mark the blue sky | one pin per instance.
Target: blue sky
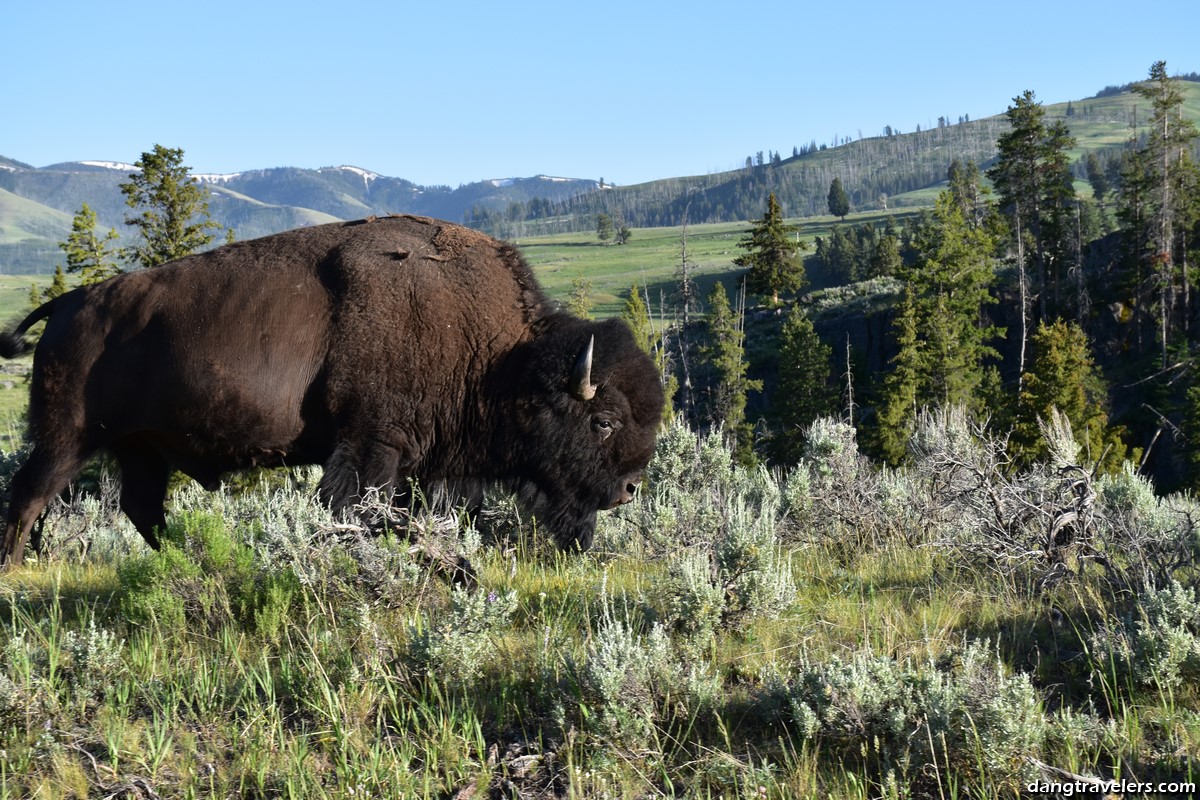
(449, 93)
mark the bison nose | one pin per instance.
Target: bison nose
(625, 492)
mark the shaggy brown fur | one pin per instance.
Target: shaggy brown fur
(386, 349)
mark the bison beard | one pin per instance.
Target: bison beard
(385, 350)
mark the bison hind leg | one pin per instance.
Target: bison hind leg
(145, 475)
(46, 473)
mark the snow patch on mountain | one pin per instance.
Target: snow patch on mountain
(218, 179)
(117, 165)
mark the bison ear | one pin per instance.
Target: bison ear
(581, 374)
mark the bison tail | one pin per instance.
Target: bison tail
(12, 343)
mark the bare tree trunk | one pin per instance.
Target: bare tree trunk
(687, 290)
(1082, 301)
(1187, 284)
(849, 384)
(1024, 289)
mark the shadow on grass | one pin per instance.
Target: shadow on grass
(71, 594)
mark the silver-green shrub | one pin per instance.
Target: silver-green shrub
(715, 524)
(694, 599)
(964, 716)
(94, 659)
(1157, 644)
(750, 565)
(1029, 529)
(742, 575)
(834, 497)
(1145, 540)
(630, 683)
(453, 646)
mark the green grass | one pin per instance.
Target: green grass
(652, 257)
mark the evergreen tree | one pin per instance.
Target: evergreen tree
(687, 297)
(841, 256)
(654, 343)
(1063, 376)
(1058, 204)
(725, 357)
(772, 255)
(943, 344)
(173, 220)
(1098, 178)
(637, 318)
(839, 202)
(58, 287)
(803, 393)
(579, 301)
(1035, 186)
(87, 253)
(604, 227)
(900, 398)
(971, 196)
(1166, 183)
(886, 259)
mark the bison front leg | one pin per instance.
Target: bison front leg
(145, 476)
(356, 467)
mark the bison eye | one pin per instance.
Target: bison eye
(603, 426)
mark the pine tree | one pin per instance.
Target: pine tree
(839, 202)
(803, 393)
(1035, 187)
(1098, 178)
(604, 227)
(58, 287)
(638, 319)
(655, 343)
(943, 346)
(687, 297)
(971, 196)
(886, 259)
(1059, 205)
(1166, 182)
(772, 255)
(579, 301)
(899, 402)
(89, 254)
(725, 357)
(1063, 376)
(173, 219)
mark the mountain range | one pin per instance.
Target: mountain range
(37, 204)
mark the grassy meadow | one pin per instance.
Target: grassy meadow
(834, 630)
(651, 258)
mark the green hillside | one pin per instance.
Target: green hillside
(23, 220)
(877, 172)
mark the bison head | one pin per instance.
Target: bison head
(587, 408)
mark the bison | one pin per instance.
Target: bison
(384, 349)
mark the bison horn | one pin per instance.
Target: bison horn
(581, 374)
